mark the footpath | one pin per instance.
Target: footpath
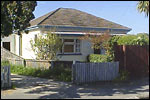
(38, 88)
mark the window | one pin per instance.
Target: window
(100, 51)
(71, 46)
(6, 45)
(103, 51)
(78, 46)
(68, 40)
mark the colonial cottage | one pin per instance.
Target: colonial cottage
(70, 24)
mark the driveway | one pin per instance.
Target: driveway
(38, 88)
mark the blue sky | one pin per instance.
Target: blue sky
(121, 12)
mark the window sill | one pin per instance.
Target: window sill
(69, 54)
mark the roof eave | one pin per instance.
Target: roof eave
(78, 28)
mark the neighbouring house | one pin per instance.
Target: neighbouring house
(70, 24)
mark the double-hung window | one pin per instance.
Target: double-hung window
(71, 46)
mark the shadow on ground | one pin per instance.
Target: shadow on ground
(55, 89)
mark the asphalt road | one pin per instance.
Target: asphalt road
(38, 88)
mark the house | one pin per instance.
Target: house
(70, 24)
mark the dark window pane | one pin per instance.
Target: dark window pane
(6, 45)
(103, 51)
(97, 51)
(68, 48)
(68, 40)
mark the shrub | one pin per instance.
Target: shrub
(126, 40)
(97, 58)
(123, 76)
(61, 73)
(5, 63)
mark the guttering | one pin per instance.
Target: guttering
(80, 34)
(84, 28)
(32, 27)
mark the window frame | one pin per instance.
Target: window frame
(74, 43)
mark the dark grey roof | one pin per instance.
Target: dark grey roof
(73, 17)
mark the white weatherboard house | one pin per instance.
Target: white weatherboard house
(70, 24)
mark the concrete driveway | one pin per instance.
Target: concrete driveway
(38, 88)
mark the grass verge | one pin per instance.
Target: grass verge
(59, 73)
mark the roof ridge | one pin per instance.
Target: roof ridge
(49, 15)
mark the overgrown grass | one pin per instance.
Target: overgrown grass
(59, 73)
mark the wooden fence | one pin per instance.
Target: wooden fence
(5, 77)
(133, 58)
(43, 64)
(92, 72)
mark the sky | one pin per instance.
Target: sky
(120, 12)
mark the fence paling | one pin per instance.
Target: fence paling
(90, 72)
(5, 76)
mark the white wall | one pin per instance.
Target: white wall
(17, 44)
(27, 51)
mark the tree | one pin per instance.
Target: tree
(15, 16)
(46, 47)
(139, 39)
(143, 6)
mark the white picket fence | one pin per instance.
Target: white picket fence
(5, 77)
(92, 72)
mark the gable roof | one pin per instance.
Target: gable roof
(75, 18)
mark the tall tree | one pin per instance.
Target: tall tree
(15, 15)
(143, 6)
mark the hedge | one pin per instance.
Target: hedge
(97, 58)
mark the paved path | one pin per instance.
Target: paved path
(38, 88)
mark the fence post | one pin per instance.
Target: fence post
(115, 51)
(9, 77)
(2, 78)
(73, 71)
(52, 64)
(24, 62)
(5, 77)
(125, 52)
